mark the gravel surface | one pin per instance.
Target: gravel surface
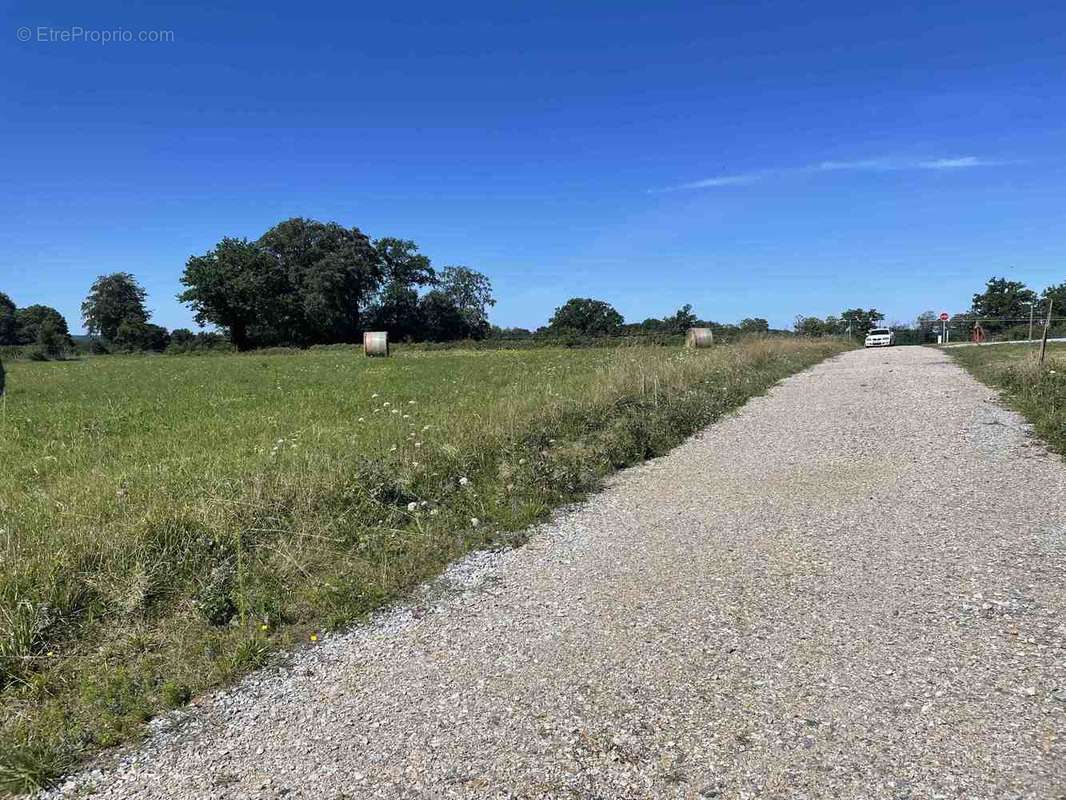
(851, 588)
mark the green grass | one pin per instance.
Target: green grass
(1037, 391)
(169, 522)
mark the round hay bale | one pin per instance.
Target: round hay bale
(699, 337)
(376, 343)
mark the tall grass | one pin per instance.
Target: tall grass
(166, 523)
(1037, 391)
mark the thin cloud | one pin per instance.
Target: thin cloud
(722, 180)
(957, 163)
(862, 165)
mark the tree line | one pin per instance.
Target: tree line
(586, 317)
(301, 283)
(1003, 308)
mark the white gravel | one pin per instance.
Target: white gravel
(854, 587)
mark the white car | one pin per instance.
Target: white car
(880, 337)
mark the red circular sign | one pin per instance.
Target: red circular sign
(944, 317)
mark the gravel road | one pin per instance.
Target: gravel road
(852, 588)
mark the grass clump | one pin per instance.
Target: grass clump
(168, 523)
(1037, 391)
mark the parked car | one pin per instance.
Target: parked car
(880, 337)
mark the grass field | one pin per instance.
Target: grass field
(167, 522)
(1038, 392)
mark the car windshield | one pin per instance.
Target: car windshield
(879, 332)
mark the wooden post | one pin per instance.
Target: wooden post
(1032, 310)
(1047, 324)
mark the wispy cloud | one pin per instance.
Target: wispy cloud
(861, 165)
(958, 163)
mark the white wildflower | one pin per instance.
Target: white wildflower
(464, 481)
(474, 522)
(412, 506)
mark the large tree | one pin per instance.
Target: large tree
(680, 321)
(303, 282)
(241, 288)
(471, 293)
(1058, 295)
(861, 320)
(585, 316)
(395, 307)
(1003, 303)
(754, 325)
(138, 336)
(440, 320)
(36, 322)
(333, 271)
(8, 324)
(113, 300)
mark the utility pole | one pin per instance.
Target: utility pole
(1047, 324)
(1032, 310)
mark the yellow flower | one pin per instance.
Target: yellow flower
(264, 627)
(314, 637)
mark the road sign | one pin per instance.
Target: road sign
(944, 316)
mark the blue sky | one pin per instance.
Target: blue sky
(753, 159)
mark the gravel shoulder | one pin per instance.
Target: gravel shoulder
(853, 587)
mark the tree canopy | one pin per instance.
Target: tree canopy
(1002, 303)
(114, 300)
(37, 322)
(8, 323)
(307, 282)
(585, 316)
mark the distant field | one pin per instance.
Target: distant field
(168, 521)
(1039, 393)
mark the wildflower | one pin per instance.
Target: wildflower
(375, 394)
(362, 419)
(464, 481)
(407, 416)
(386, 404)
(313, 637)
(410, 402)
(474, 522)
(395, 411)
(425, 427)
(415, 464)
(264, 627)
(418, 444)
(412, 506)
(433, 512)
(521, 461)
